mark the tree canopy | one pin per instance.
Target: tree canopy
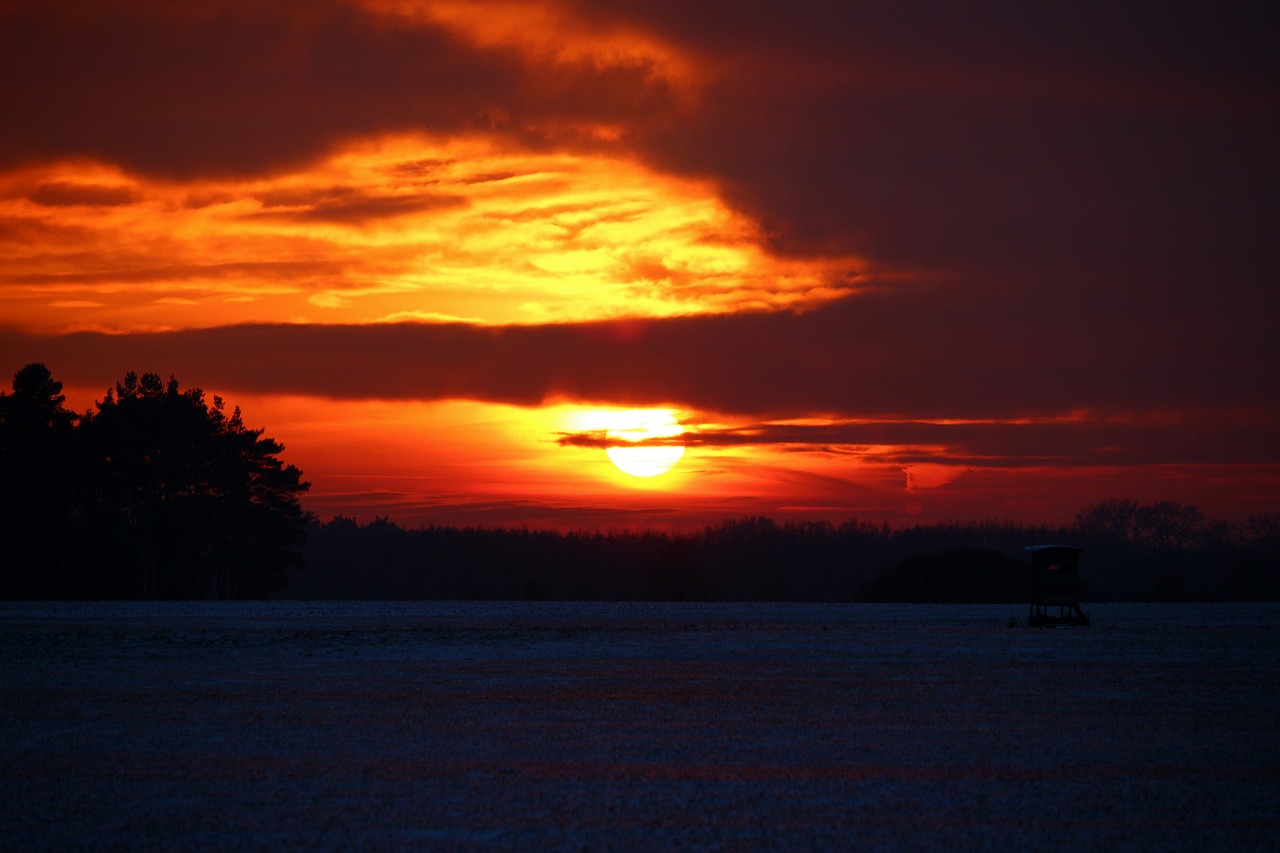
(153, 493)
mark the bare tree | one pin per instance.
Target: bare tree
(1166, 524)
(1263, 530)
(1114, 522)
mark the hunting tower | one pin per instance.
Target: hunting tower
(1055, 584)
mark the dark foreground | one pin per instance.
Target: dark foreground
(615, 726)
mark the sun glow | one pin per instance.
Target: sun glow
(643, 443)
(645, 459)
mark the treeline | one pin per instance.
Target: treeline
(151, 494)
(757, 559)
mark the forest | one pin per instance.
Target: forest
(155, 494)
(1134, 552)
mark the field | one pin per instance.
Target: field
(627, 726)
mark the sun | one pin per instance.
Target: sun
(645, 425)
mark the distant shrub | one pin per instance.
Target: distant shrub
(961, 575)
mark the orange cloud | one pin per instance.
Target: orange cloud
(397, 228)
(546, 31)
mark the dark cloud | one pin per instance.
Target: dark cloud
(26, 231)
(349, 205)
(1113, 158)
(63, 194)
(110, 267)
(232, 88)
(1209, 438)
(871, 356)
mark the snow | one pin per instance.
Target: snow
(448, 725)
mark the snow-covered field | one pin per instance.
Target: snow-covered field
(636, 726)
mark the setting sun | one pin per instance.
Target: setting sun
(646, 460)
(640, 442)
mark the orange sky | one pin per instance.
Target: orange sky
(998, 266)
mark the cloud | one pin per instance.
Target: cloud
(397, 233)
(1114, 160)
(862, 357)
(225, 88)
(61, 194)
(260, 272)
(349, 205)
(1076, 442)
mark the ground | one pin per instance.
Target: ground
(628, 726)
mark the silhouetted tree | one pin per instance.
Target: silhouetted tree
(186, 501)
(1166, 524)
(1111, 522)
(151, 494)
(1263, 531)
(35, 475)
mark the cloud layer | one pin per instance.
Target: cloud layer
(1109, 159)
(857, 358)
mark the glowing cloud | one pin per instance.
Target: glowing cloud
(543, 32)
(389, 229)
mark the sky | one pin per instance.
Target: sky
(909, 261)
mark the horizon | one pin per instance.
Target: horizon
(904, 266)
